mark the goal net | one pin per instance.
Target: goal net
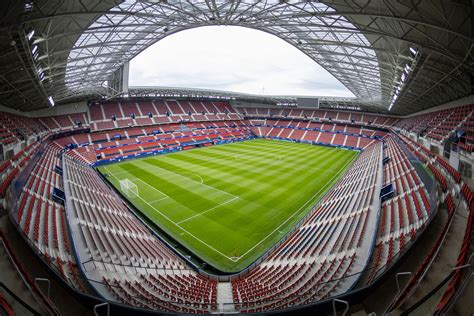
(129, 188)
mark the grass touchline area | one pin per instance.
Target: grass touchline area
(229, 203)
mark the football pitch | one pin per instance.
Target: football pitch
(229, 203)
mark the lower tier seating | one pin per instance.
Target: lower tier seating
(114, 237)
(325, 133)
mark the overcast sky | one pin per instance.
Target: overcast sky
(233, 59)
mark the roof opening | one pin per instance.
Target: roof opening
(232, 58)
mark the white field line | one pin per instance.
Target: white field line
(297, 210)
(169, 219)
(202, 181)
(135, 178)
(166, 195)
(158, 200)
(127, 172)
(212, 208)
(279, 158)
(209, 186)
(183, 176)
(234, 259)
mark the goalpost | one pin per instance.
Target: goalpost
(129, 188)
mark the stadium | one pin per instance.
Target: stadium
(119, 199)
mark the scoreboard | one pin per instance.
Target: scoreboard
(307, 102)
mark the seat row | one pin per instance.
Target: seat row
(42, 220)
(329, 138)
(315, 260)
(439, 125)
(323, 115)
(11, 167)
(401, 216)
(113, 237)
(130, 113)
(16, 128)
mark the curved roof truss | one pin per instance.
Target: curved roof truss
(364, 44)
(127, 29)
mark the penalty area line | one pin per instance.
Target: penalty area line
(184, 230)
(309, 200)
(212, 208)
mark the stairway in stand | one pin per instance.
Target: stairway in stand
(224, 297)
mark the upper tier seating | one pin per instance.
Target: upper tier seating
(65, 122)
(14, 128)
(141, 113)
(323, 115)
(441, 124)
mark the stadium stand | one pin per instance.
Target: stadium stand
(143, 113)
(113, 236)
(16, 128)
(319, 133)
(33, 295)
(128, 141)
(439, 125)
(323, 257)
(404, 214)
(427, 261)
(42, 219)
(316, 259)
(321, 115)
(65, 122)
(263, 225)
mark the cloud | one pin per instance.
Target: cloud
(234, 59)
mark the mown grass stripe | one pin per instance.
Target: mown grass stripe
(229, 199)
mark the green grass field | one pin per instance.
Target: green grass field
(229, 203)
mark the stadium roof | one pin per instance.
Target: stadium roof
(409, 55)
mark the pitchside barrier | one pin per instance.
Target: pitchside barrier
(103, 162)
(312, 142)
(322, 130)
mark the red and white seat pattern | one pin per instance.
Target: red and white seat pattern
(137, 113)
(15, 128)
(182, 292)
(403, 215)
(43, 221)
(331, 133)
(11, 167)
(315, 261)
(439, 125)
(323, 115)
(135, 266)
(138, 140)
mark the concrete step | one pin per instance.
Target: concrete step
(12, 279)
(224, 297)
